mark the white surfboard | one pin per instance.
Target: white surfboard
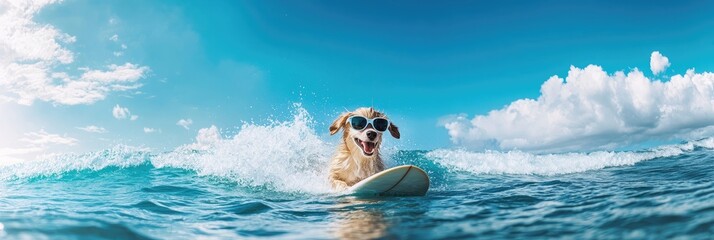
(405, 180)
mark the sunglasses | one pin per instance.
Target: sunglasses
(359, 122)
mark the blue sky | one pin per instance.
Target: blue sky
(222, 63)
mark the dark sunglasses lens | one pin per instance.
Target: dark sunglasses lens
(381, 124)
(359, 123)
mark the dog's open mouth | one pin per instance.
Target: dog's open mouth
(367, 147)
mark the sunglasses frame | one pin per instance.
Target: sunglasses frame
(369, 121)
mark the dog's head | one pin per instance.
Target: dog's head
(364, 139)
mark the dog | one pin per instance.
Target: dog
(357, 156)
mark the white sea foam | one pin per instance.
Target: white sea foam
(118, 156)
(518, 162)
(286, 156)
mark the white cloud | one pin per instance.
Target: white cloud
(42, 138)
(184, 123)
(118, 54)
(591, 109)
(32, 53)
(658, 62)
(120, 112)
(114, 38)
(150, 130)
(92, 129)
(123, 46)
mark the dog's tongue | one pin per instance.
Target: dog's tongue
(368, 147)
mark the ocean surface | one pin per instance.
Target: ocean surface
(269, 181)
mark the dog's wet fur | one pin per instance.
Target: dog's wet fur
(357, 155)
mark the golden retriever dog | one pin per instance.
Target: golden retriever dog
(357, 156)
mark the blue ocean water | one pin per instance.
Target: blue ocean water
(270, 182)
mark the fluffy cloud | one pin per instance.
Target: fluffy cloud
(591, 109)
(150, 130)
(184, 123)
(43, 138)
(92, 129)
(120, 112)
(658, 62)
(31, 53)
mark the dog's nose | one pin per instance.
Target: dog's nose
(371, 135)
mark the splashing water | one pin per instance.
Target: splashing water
(288, 156)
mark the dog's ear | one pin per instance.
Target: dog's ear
(394, 130)
(339, 123)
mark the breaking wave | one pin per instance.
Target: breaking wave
(518, 162)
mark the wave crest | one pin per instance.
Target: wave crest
(286, 156)
(517, 162)
(118, 156)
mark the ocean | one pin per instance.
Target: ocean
(270, 182)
